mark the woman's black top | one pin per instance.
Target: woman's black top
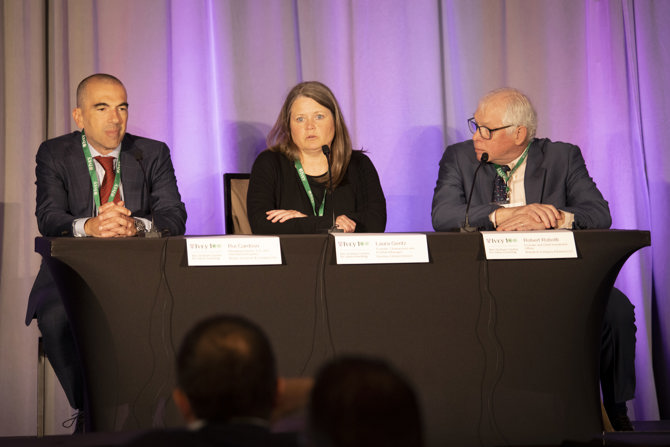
(275, 184)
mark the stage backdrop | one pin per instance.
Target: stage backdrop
(209, 76)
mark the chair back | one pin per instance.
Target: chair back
(235, 186)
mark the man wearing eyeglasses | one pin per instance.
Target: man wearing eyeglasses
(540, 184)
(534, 184)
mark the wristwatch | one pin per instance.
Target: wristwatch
(140, 228)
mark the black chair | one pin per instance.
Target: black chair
(235, 203)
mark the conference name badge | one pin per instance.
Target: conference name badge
(233, 250)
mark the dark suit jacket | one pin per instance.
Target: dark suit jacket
(64, 187)
(222, 435)
(555, 174)
(64, 191)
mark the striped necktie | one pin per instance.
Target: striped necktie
(108, 181)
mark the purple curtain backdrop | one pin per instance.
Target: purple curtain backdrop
(209, 76)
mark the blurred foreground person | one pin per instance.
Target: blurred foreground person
(363, 402)
(227, 388)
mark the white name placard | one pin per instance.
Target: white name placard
(380, 248)
(551, 244)
(233, 250)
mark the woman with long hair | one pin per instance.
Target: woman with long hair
(292, 189)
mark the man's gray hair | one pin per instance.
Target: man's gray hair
(519, 110)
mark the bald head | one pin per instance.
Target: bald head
(98, 77)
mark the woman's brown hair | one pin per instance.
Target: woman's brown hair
(279, 137)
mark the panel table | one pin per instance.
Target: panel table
(500, 352)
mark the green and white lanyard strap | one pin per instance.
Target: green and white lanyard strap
(506, 176)
(308, 190)
(94, 175)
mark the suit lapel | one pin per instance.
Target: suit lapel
(485, 183)
(535, 174)
(131, 176)
(80, 191)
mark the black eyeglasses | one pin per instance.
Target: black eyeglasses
(484, 131)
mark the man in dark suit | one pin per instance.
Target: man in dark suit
(535, 184)
(91, 183)
(227, 388)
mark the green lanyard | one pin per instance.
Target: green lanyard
(308, 190)
(505, 176)
(94, 175)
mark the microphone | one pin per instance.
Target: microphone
(467, 228)
(326, 151)
(153, 232)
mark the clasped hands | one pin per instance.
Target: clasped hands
(113, 220)
(536, 216)
(343, 222)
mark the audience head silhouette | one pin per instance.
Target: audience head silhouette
(359, 401)
(225, 370)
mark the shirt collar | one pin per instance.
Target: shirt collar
(115, 153)
(513, 163)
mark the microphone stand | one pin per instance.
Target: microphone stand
(467, 228)
(334, 228)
